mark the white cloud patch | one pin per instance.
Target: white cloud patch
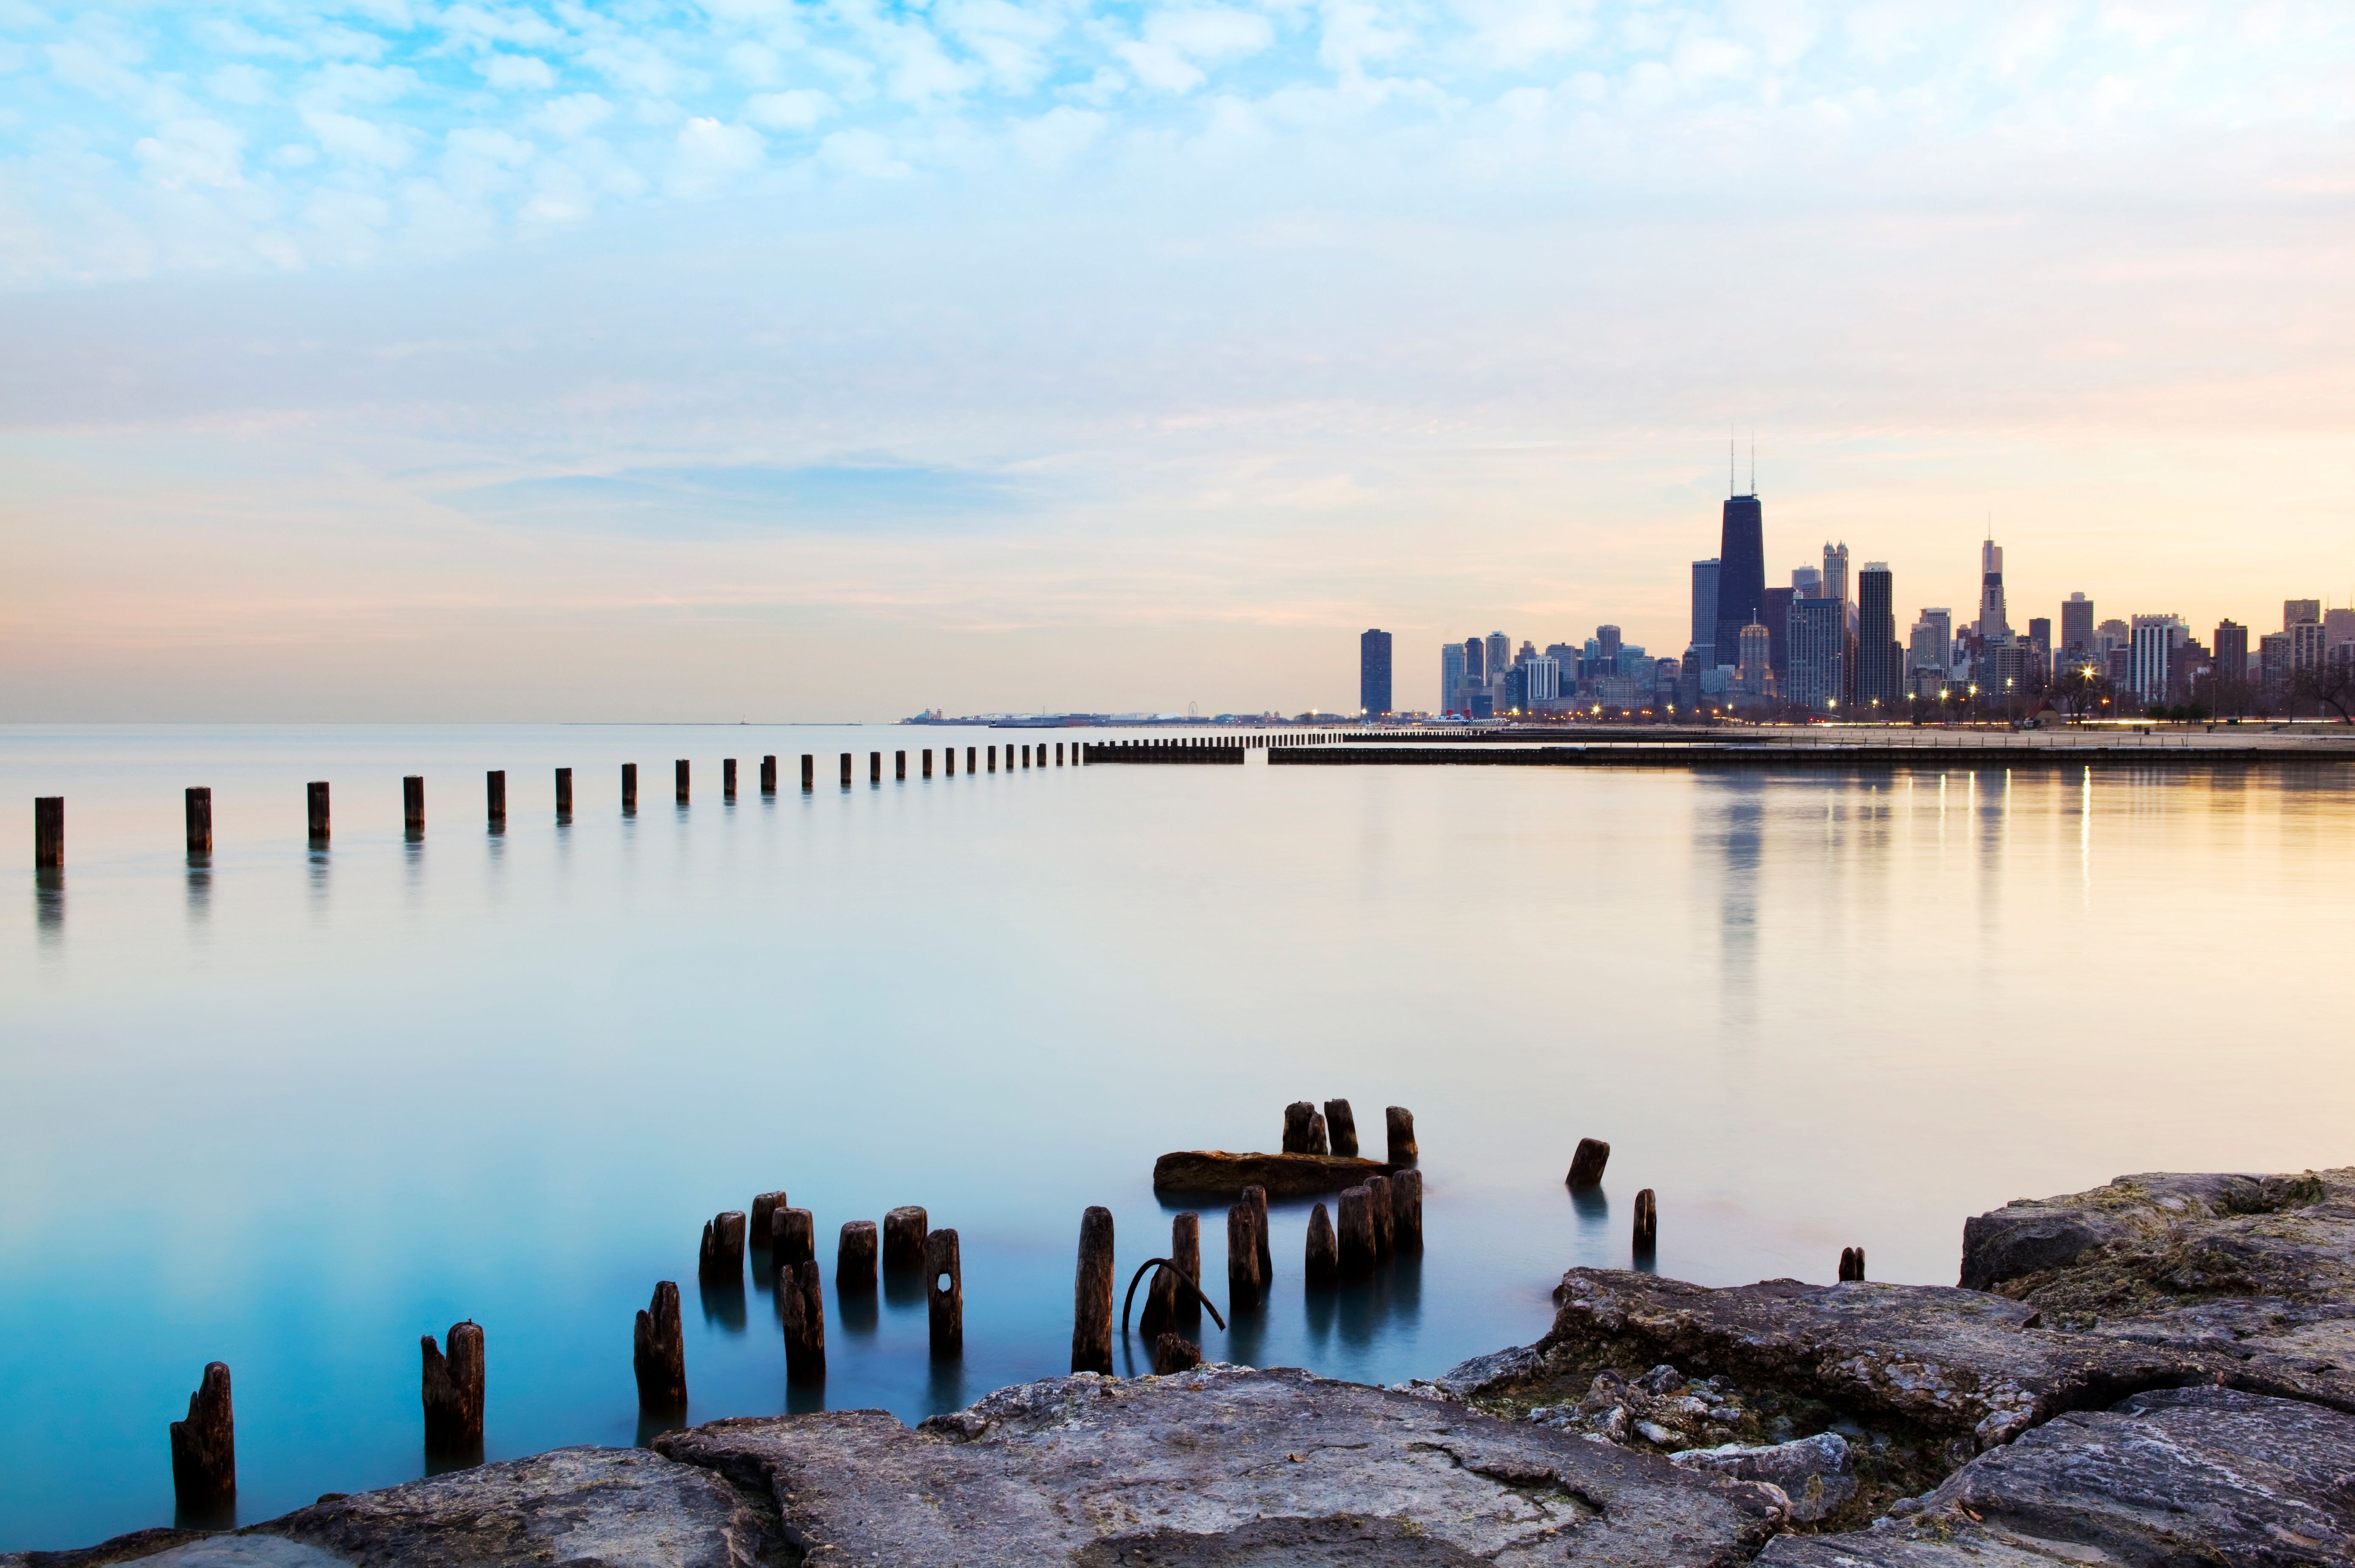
(1175, 45)
(1052, 140)
(575, 114)
(795, 110)
(245, 85)
(861, 152)
(517, 73)
(712, 154)
(354, 140)
(184, 153)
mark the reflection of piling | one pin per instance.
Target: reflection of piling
(495, 798)
(1091, 1294)
(204, 1447)
(768, 775)
(453, 1389)
(903, 1239)
(315, 793)
(564, 794)
(853, 1256)
(1323, 1264)
(1342, 1126)
(1356, 1238)
(1852, 1267)
(200, 820)
(801, 1301)
(1406, 1211)
(1586, 1165)
(723, 1258)
(1648, 1222)
(659, 1354)
(629, 786)
(1399, 1123)
(944, 1286)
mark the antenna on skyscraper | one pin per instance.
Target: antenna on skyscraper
(1733, 474)
(1754, 463)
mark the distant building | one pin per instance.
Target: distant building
(1515, 694)
(1704, 612)
(1992, 621)
(1933, 644)
(2309, 645)
(2337, 629)
(1741, 576)
(1881, 663)
(2231, 653)
(2040, 648)
(1451, 685)
(2150, 656)
(1777, 622)
(1481, 704)
(1806, 582)
(1544, 675)
(1818, 643)
(1374, 674)
(1475, 664)
(1607, 639)
(1500, 656)
(2077, 625)
(2111, 633)
(2300, 612)
(1836, 571)
(2273, 662)
(1756, 677)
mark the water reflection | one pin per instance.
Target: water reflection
(49, 904)
(199, 890)
(1359, 1314)
(723, 1304)
(204, 1516)
(856, 1307)
(651, 1427)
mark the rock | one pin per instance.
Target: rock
(2030, 1235)
(2173, 1476)
(1222, 1465)
(1816, 1472)
(1216, 1173)
(619, 1508)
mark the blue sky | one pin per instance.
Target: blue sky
(1124, 354)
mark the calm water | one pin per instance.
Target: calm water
(292, 1110)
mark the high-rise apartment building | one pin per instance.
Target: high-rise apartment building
(1452, 684)
(2039, 647)
(1818, 643)
(1836, 571)
(1374, 673)
(2273, 662)
(2077, 625)
(1475, 664)
(1755, 675)
(1776, 619)
(1500, 656)
(1741, 574)
(2337, 629)
(2110, 635)
(1544, 675)
(1881, 666)
(2231, 653)
(2309, 645)
(2150, 656)
(1933, 644)
(1704, 612)
(1992, 621)
(2299, 611)
(1806, 582)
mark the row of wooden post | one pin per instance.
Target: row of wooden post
(1586, 1165)
(49, 810)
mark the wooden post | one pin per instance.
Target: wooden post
(1295, 1126)
(764, 1218)
(1091, 1293)
(1316, 1144)
(944, 1288)
(768, 775)
(968, 760)
(1378, 1210)
(204, 1447)
(659, 1354)
(845, 769)
(1058, 753)
(454, 1391)
(1406, 1211)
(629, 787)
(899, 766)
(1648, 1222)
(1245, 1282)
(728, 778)
(1256, 1196)
(928, 762)
(317, 791)
(723, 1258)
(200, 820)
(801, 1301)
(793, 1239)
(412, 806)
(1343, 1126)
(903, 1239)
(809, 773)
(948, 758)
(50, 831)
(495, 797)
(564, 794)
(1400, 1123)
(1185, 1252)
(1324, 1262)
(678, 773)
(1175, 1353)
(853, 1256)
(874, 767)
(1852, 1267)
(993, 759)
(1586, 1165)
(1356, 1239)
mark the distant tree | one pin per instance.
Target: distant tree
(2332, 687)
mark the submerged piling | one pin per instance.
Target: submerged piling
(944, 1291)
(204, 1447)
(853, 1256)
(316, 794)
(1852, 1265)
(1355, 1235)
(678, 773)
(564, 794)
(1406, 1211)
(1256, 1196)
(899, 766)
(629, 787)
(1295, 1126)
(1648, 1222)
(49, 831)
(1246, 1281)
(728, 778)
(658, 1354)
(874, 767)
(1398, 1122)
(801, 1303)
(809, 773)
(903, 1239)
(768, 775)
(495, 798)
(1323, 1263)
(453, 1389)
(1378, 1210)
(200, 820)
(793, 1239)
(1586, 1165)
(1091, 1294)
(1342, 1126)
(1185, 1252)
(968, 759)
(723, 1258)
(928, 762)
(412, 806)
(845, 769)
(764, 1217)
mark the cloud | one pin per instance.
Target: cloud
(1175, 45)
(690, 501)
(355, 140)
(517, 73)
(575, 114)
(184, 153)
(1052, 140)
(795, 110)
(245, 85)
(711, 155)
(861, 152)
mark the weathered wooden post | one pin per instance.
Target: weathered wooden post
(764, 1218)
(1323, 1265)
(1295, 1126)
(204, 1447)
(928, 762)
(1406, 1210)
(899, 766)
(1058, 753)
(1378, 1210)
(853, 1256)
(1648, 1222)
(944, 1288)
(874, 767)
(317, 791)
(454, 1391)
(845, 769)
(903, 1239)
(1586, 1165)
(793, 1239)
(1175, 1353)
(1852, 1267)
(728, 778)
(658, 1354)
(721, 1260)
(1257, 1197)
(1342, 1126)
(768, 775)
(993, 759)
(1185, 1252)
(678, 773)
(200, 820)
(1245, 1280)
(629, 788)
(968, 760)
(1400, 1123)
(809, 773)
(801, 1301)
(948, 760)
(564, 794)
(495, 797)
(1091, 1293)
(1316, 1144)
(413, 807)
(1356, 1239)
(49, 831)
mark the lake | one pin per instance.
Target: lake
(292, 1108)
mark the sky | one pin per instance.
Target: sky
(836, 360)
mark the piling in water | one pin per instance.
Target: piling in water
(1058, 753)
(1406, 1211)
(412, 806)
(1256, 1197)
(1378, 1211)
(928, 762)
(903, 1239)
(809, 773)
(495, 797)
(1316, 1144)
(968, 759)
(1323, 1264)
(944, 1288)
(899, 766)
(853, 1256)
(678, 773)
(1851, 1264)
(1586, 1165)
(1175, 1353)
(564, 794)
(200, 820)
(1342, 1126)
(658, 1354)
(793, 1239)
(629, 786)
(1091, 1294)
(315, 792)
(800, 1304)
(768, 775)
(722, 1261)
(1245, 1280)
(1295, 1126)
(1355, 1235)
(845, 769)
(49, 831)
(1648, 1222)
(1185, 1252)
(454, 1391)
(764, 1217)
(204, 1447)
(728, 778)
(1400, 1123)
(993, 759)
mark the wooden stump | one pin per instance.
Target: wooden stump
(928, 762)
(1245, 1282)
(874, 767)
(1355, 1240)
(1295, 1126)
(801, 1303)
(316, 795)
(1852, 1265)
(1586, 1165)
(629, 786)
(659, 1354)
(1317, 1142)
(412, 806)
(1257, 1197)
(845, 769)
(764, 1229)
(1160, 1303)
(768, 775)
(899, 766)
(1406, 1211)
(1342, 1126)
(204, 1447)
(1400, 1123)
(678, 774)
(454, 1391)
(728, 778)
(944, 1288)
(1323, 1264)
(722, 1257)
(563, 794)
(809, 773)
(1174, 1353)
(1378, 1213)
(903, 1239)
(50, 831)
(793, 1239)
(853, 1256)
(1185, 1252)
(1091, 1294)
(968, 759)
(495, 797)
(993, 759)
(1648, 1222)
(200, 820)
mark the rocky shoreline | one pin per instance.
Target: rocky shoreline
(2157, 1371)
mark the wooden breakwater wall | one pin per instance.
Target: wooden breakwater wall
(1880, 758)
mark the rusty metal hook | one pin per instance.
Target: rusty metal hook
(1130, 1299)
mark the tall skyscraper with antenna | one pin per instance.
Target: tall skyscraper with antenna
(1993, 623)
(1741, 565)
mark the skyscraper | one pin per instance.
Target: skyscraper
(1881, 667)
(1836, 571)
(1374, 674)
(1452, 697)
(1741, 574)
(1545, 678)
(1500, 656)
(1475, 664)
(2077, 624)
(2151, 654)
(1776, 618)
(2300, 612)
(1755, 675)
(1993, 624)
(2039, 647)
(1704, 612)
(1806, 582)
(1608, 637)
(2232, 655)
(1819, 642)
(1934, 635)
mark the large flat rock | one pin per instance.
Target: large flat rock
(1215, 1173)
(1222, 1465)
